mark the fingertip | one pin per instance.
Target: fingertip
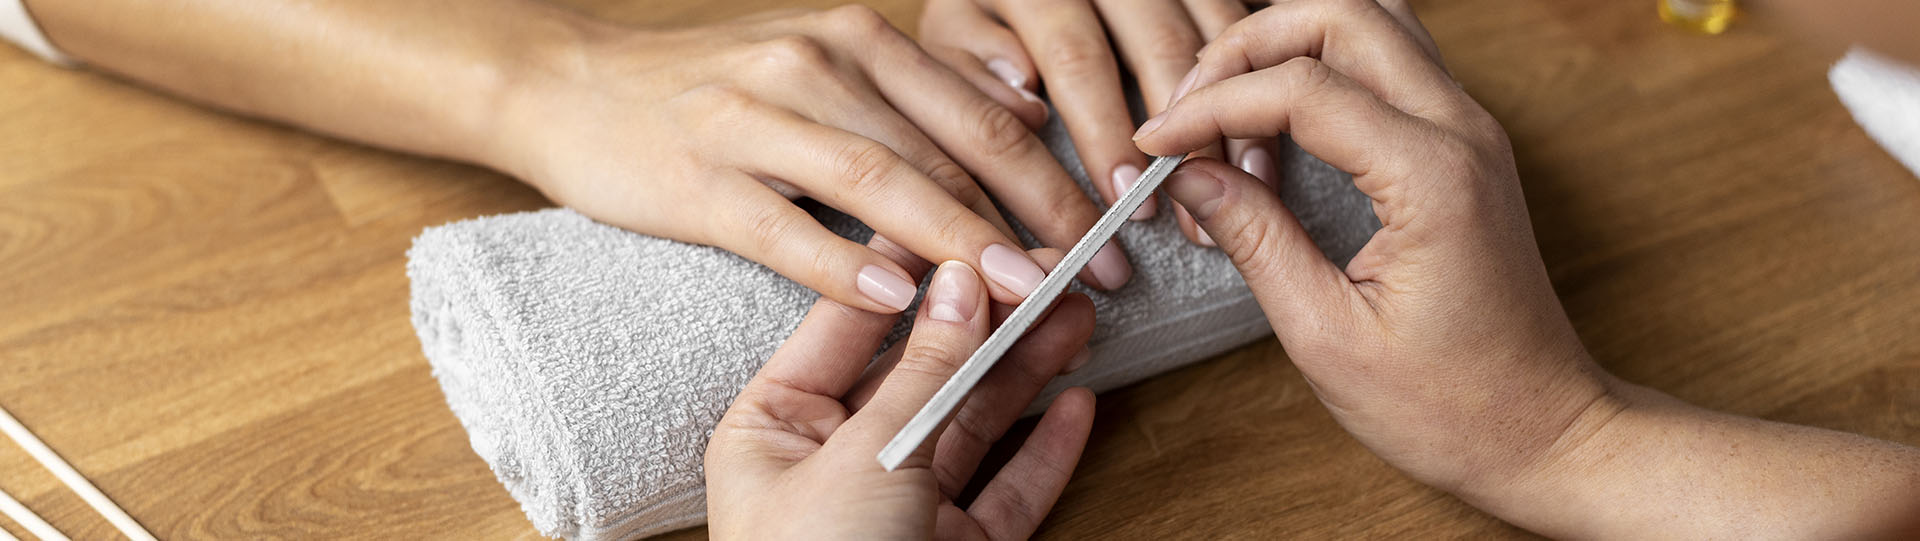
(1075, 407)
(889, 288)
(956, 294)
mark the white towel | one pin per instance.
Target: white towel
(1884, 96)
(589, 364)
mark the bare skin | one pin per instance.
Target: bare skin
(703, 134)
(794, 457)
(1441, 346)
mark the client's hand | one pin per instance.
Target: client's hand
(706, 134)
(795, 457)
(1065, 45)
(1441, 346)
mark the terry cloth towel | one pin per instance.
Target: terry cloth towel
(1884, 96)
(589, 364)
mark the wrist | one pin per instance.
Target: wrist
(1545, 493)
(539, 67)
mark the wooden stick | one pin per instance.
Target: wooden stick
(26, 519)
(74, 481)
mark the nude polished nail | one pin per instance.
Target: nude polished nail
(1186, 85)
(1258, 162)
(1124, 176)
(1110, 267)
(1007, 73)
(954, 295)
(885, 287)
(1011, 269)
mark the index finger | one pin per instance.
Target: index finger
(1358, 38)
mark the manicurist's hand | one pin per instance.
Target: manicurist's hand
(795, 457)
(1064, 44)
(706, 135)
(1441, 346)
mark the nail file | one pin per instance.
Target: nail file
(1024, 316)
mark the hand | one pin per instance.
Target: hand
(795, 457)
(1065, 42)
(705, 135)
(1441, 346)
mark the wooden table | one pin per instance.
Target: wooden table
(208, 315)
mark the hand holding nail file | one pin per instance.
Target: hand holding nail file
(1024, 316)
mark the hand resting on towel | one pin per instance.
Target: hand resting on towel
(794, 456)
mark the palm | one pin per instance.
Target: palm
(795, 457)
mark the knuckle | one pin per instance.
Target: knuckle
(1307, 73)
(859, 19)
(865, 170)
(767, 227)
(713, 104)
(1255, 244)
(1070, 206)
(998, 133)
(1169, 44)
(935, 360)
(790, 53)
(1073, 57)
(957, 183)
(971, 428)
(952, 227)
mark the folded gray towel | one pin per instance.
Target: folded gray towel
(589, 364)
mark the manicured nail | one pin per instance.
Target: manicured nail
(1199, 192)
(1079, 359)
(1205, 239)
(1110, 267)
(885, 287)
(1258, 162)
(1007, 73)
(1027, 94)
(1186, 85)
(954, 294)
(1011, 269)
(1124, 176)
(1151, 125)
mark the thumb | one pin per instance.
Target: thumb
(1296, 285)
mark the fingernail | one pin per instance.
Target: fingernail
(1151, 125)
(1007, 73)
(1199, 192)
(954, 295)
(885, 287)
(1079, 359)
(1027, 94)
(1110, 267)
(1258, 162)
(1186, 84)
(1011, 269)
(1124, 176)
(1205, 239)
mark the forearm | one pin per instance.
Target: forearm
(424, 76)
(1655, 464)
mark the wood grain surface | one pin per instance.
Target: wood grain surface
(208, 315)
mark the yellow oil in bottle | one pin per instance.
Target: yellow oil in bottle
(1703, 16)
